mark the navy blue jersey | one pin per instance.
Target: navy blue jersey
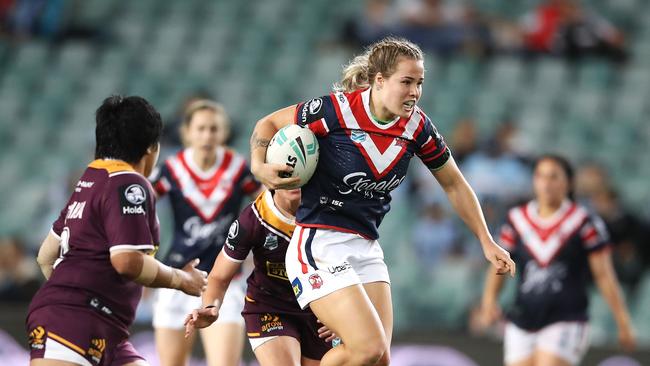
(360, 161)
(552, 255)
(204, 203)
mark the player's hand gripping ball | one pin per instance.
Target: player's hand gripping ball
(296, 147)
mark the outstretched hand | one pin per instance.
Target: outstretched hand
(499, 258)
(200, 318)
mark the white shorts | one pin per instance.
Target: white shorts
(256, 342)
(566, 340)
(172, 306)
(321, 261)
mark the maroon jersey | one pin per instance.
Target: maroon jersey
(262, 228)
(111, 208)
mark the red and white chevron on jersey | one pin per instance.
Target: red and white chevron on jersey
(207, 191)
(545, 238)
(382, 146)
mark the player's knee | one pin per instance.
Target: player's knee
(370, 354)
(384, 360)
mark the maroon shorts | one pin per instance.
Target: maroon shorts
(264, 321)
(76, 334)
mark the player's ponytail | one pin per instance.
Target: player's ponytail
(380, 57)
(355, 75)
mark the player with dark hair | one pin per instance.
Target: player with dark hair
(559, 246)
(368, 130)
(99, 252)
(280, 333)
(206, 183)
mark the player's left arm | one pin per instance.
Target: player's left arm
(603, 273)
(48, 253)
(466, 204)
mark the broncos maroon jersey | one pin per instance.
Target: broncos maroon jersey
(264, 230)
(552, 257)
(112, 208)
(361, 161)
(204, 203)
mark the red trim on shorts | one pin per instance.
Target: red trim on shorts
(302, 263)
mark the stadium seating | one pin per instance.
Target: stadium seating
(258, 58)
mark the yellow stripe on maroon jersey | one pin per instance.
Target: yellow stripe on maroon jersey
(267, 214)
(111, 166)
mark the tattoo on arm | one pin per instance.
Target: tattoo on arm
(258, 142)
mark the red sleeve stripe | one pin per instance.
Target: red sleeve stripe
(591, 239)
(319, 128)
(162, 186)
(507, 240)
(428, 147)
(428, 159)
(250, 186)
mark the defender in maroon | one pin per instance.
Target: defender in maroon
(97, 255)
(279, 331)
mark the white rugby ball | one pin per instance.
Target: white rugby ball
(296, 147)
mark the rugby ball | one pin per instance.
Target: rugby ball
(296, 147)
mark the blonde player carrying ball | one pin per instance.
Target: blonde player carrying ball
(368, 131)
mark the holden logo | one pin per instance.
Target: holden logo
(135, 194)
(314, 105)
(234, 230)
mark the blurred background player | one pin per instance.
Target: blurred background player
(206, 183)
(557, 245)
(279, 331)
(368, 132)
(103, 240)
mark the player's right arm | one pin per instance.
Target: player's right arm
(265, 128)
(240, 241)
(147, 271)
(219, 279)
(48, 253)
(128, 214)
(490, 310)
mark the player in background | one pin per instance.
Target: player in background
(99, 252)
(206, 183)
(368, 131)
(280, 332)
(559, 247)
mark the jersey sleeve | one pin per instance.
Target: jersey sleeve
(432, 149)
(240, 236)
(160, 180)
(317, 114)
(594, 234)
(507, 236)
(248, 183)
(128, 214)
(59, 223)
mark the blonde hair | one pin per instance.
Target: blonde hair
(223, 121)
(380, 57)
